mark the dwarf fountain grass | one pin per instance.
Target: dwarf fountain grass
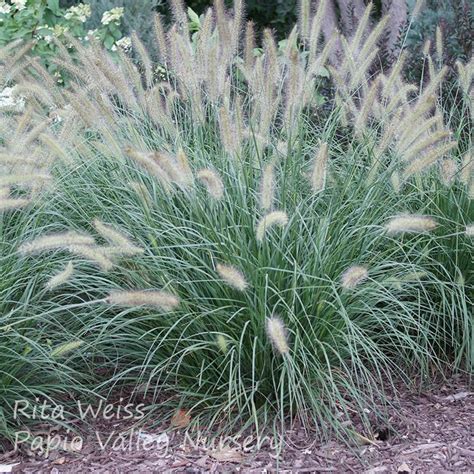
(159, 299)
(152, 313)
(275, 218)
(232, 276)
(120, 242)
(9, 204)
(212, 181)
(267, 187)
(353, 276)
(276, 332)
(410, 223)
(55, 241)
(94, 254)
(319, 171)
(297, 274)
(60, 278)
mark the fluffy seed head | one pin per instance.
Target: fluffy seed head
(94, 254)
(173, 169)
(232, 276)
(222, 343)
(61, 277)
(9, 204)
(153, 299)
(24, 179)
(278, 218)
(267, 187)
(410, 223)
(353, 276)
(276, 332)
(318, 174)
(467, 169)
(426, 48)
(64, 349)
(114, 251)
(448, 171)
(142, 191)
(395, 181)
(146, 161)
(55, 241)
(120, 243)
(439, 43)
(212, 181)
(470, 230)
(183, 163)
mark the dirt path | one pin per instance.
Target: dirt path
(432, 433)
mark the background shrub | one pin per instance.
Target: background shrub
(138, 16)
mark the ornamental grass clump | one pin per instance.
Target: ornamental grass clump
(203, 227)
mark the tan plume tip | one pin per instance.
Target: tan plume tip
(114, 236)
(278, 218)
(467, 169)
(318, 174)
(185, 168)
(142, 191)
(439, 43)
(61, 277)
(173, 169)
(116, 251)
(4, 192)
(146, 161)
(24, 179)
(419, 4)
(396, 181)
(155, 299)
(427, 48)
(232, 276)
(353, 276)
(212, 181)
(470, 230)
(10, 204)
(276, 332)
(267, 187)
(94, 254)
(410, 223)
(55, 241)
(448, 171)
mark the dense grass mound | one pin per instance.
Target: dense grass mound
(201, 237)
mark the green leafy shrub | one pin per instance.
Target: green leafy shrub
(44, 22)
(137, 16)
(455, 20)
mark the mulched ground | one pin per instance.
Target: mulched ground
(431, 432)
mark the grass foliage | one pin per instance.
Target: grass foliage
(236, 250)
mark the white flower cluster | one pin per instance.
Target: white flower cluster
(5, 7)
(19, 4)
(91, 34)
(59, 30)
(124, 43)
(45, 32)
(79, 12)
(113, 15)
(11, 102)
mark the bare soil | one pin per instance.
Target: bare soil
(430, 432)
